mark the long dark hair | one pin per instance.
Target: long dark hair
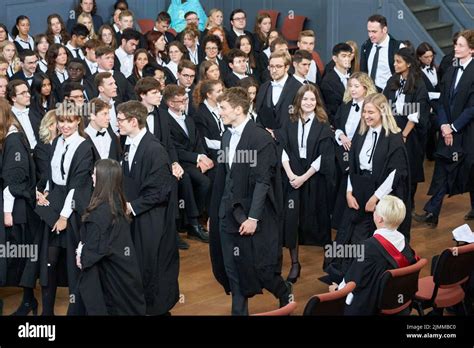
(135, 58)
(4, 27)
(408, 55)
(79, 8)
(422, 49)
(252, 60)
(37, 97)
(52, 54)
(320, 114)
(108, 189)
(49, 32)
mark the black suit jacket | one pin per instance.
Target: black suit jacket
(163, 134)
(188, 147)
(273, 117)
(231, 80)
(366, 47)
(232, 37)
(208, 128)
(115, 150)
(125, 90)
(20, 75)
(333, 92)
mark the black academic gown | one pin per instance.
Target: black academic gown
(454, 164)
(148, 187)
(125, 90)
(42, 156)
(115, 149)
(110, 281)
(163, 134)
(207, 127)
(367, 274)
(332, 90)
(19, 175)
(308, 209)
(258, 254)
(274, 116)
(416, 140)
(78, 178)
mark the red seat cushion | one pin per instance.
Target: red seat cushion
(445, 298)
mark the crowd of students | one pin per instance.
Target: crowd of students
(114, 141)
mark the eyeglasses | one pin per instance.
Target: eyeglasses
(186, 76)
(120, 120)
(212, 48)
(238, 18)
(276, 67)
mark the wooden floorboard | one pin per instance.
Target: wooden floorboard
(202, 295)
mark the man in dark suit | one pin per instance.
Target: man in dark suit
(334, 82)
(301, 63)
(237, 60)
(90, 60)
(29, 63)
(377, 53)
(246, 202)
(162, 24)
(186, 77)
(238, 22)
(453, 170)
(194, 185)
(148, 91)
(76, 71)
(105, 61)
(275, 97)
(78, 39)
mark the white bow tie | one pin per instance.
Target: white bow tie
(276, 84)
(234, 131)
(23, 113)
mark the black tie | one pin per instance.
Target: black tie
(374, 137)
(302, 133)
(77, 53)
(305, 82)
(357, 107)
(429, 69)
(459, 70)
(375, 63)
(100, 134)
(218, 122)
(63, 156)
(126, 168)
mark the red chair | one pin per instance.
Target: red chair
(283, 311)
(273, 15)
(146, 25)
(398, 288)
(291, 28)
(330, 303)
(444, 288)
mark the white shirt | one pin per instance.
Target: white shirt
(193, 55)
(236, 133)
(300, 79)
(431, 75)
(150, 121)
(23, 117)
(352, 122)
(75, 54)
(173, 68)
(394, 237)
(238, 32)
(134, 142)
(214, 144)
(302, 143)
(8, 198)
(461, 72)
(313, 72)
(10, 71)
(383, 67)
(401, 107)
(267, 52)
(126, 61)
(240, 76)
(93, 66)
(343, 77)
(101, 143)
(29, 44)
(62, 75)
(57, 39)
(386, 187)
(277, 88)
(43, 65)
(181, 119)
(113, 115)
(72, 144)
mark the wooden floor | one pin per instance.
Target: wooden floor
(202, 295)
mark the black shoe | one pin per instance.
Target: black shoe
(470, 215)
(294, 273)
(288, 297)
(27, 307)
(428, 218)
(197, 232)
(182, 244)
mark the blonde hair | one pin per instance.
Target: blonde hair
(388, 122)
(16, 58)
(81, 17)
(355, 64)
(47, 121)
(365, 80)
(392, 210)
(211, 12)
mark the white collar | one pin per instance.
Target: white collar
(385, 42)
(467, 63)
(341, 76)
(17, 111)
(281, 82)
(211, 109)
(136, 139)
(111, 101)
(102, 70)
(74, 137)
(120, 51)
(94, 131)
(300, 79)
(393, 236)
(238, 32)
(176, 116)
(239, 75)
(377, 130)
(309, 120)
(240, 128)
